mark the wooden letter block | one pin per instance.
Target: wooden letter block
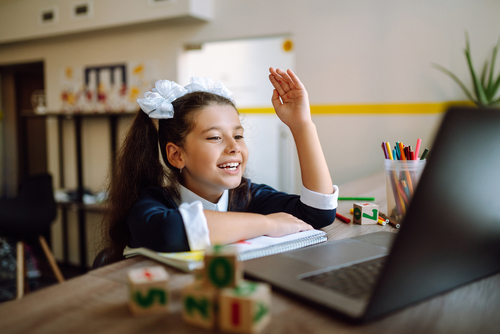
(365, 214)
(222, 268)
(199, 303)
(148, 289)
(246, 308)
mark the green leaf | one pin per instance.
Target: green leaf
(483, 72)
(457, 80)
(478, 88)
(495, 103)
(494, 88)
(492, 70)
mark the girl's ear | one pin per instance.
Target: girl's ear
(174, 155)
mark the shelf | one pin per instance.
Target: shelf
(30, 113)
(74, 206)
(78, 205)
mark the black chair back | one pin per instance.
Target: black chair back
(33, 210)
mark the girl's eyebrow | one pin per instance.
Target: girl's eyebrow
(238, 127)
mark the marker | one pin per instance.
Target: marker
(385, 150)
(344, 219)
(381, 222)
(417, 149)
(391, 222)
(372, 199)
(402, 151)
(385, 220)
(424, 154)
(389, 152)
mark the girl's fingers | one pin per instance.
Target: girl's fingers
(277, 85)
(295, 79)
(286, 78)
(275, 100)
(283, 81)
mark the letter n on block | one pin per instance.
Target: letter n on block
(198, 305)
(148, 289)
(246, 308)
(365, 214)
(222, 268)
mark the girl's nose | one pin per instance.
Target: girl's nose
(233, 146)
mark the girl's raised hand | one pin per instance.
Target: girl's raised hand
(290, 99)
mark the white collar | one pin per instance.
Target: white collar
(187, 196)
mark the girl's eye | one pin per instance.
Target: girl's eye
(238, 137)
(214, 138)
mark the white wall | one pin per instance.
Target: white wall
(346, 52)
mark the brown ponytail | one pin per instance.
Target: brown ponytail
(137, 166)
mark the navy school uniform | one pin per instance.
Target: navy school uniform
(164, 224)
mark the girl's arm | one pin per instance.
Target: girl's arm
(291, 103)
(229, 227)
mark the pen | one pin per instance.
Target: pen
(356, 199)
(344, 219)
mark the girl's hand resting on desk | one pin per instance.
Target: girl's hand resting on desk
(290, 99)
(282, 223)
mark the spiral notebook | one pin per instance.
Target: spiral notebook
(247, 249)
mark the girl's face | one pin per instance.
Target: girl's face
(214, 152)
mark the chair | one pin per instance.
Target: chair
(27, 215)
(105, 257)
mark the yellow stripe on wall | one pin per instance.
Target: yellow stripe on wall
(399, 108)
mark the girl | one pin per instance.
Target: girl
(199, 196)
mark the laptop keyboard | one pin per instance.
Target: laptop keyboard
(356, 281)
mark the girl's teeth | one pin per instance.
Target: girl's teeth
(230, 166)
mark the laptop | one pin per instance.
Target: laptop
(450, 235)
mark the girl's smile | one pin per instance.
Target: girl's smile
(214, 152)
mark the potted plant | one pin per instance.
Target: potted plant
(486, 87)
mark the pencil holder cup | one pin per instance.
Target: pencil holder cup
(402, 177)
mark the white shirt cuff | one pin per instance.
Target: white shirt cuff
(320, 201)
(195, 224)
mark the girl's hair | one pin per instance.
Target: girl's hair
(138, 166)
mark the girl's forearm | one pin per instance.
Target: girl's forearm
(313, 168)
(229, 227)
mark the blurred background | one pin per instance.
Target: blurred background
(367, 66)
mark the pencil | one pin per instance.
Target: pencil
(344, 219)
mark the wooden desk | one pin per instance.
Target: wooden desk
(97, 301)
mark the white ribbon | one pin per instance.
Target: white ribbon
(158, 102)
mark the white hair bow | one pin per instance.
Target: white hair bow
(158, 102)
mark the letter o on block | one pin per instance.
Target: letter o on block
(222, 268)
(221, 272)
